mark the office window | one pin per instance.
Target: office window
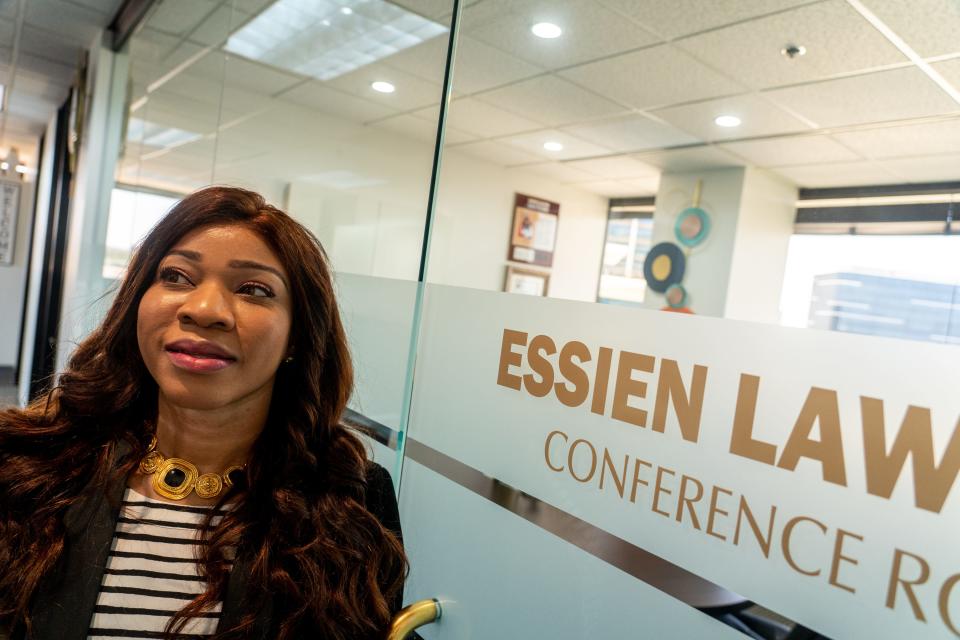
(894, 286)
(627, 243)
(132, 214)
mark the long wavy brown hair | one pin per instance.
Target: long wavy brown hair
(328, 564)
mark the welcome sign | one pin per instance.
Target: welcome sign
(811, 472)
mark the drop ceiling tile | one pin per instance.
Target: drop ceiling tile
(690, 159)
(427, 60)
(616, 167)
(218, 25)
(926, 168)
(496, 152)
(674, 18)
(437, 10)
(551, 101)
(930, 27)
(658, 76)
(590, 31)
(7, 31)
(906, 140)
(614, 189)
(838, 40)
(572, 147)
(421, 129)
(252, 6)
(791, 150)
(314, 95)
(479, 67)
(481, 119)
(234, 71)
(67, 20)
(59, 73)
(50, 45)
(631, 133)
(950, 70)
(151, 45)
(561, 172)
(874, 97)
(179, 17)
(759, 117)
(838, 174)
(411, 92)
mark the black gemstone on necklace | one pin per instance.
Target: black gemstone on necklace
(174, 477)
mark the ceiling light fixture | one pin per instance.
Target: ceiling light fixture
(382, 86)
(346, 10)
(546, 30)
(727, 121)
(294, 35)
(553, 146)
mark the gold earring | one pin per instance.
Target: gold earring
(288, 360)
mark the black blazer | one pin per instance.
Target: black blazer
(63, 607)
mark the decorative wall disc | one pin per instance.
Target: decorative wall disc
(676, 296)
(664, 266)
(693, 226)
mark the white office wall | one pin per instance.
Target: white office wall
(13, 279)
(708, 264)
(474, 222)
(759, 259)
(377, 230)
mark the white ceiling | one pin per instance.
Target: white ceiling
(40, 46)
(631, 89)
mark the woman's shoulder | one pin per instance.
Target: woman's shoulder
(381, 500)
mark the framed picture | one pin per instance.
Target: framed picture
(526, 281)
(534, 235)
(9, 209)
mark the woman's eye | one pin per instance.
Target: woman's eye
(173, 276)
(256, 290)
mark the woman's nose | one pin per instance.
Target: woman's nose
(208, 305)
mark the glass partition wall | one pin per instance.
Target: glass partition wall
(568, 469)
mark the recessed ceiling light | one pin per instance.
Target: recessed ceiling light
(727, 121)
(325, 22)
(546, 30)
(553, 146)
(383, 86)
(346, 10)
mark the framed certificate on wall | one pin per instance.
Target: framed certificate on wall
(526, 281)
(534, 235)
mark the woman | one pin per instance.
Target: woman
(201, 420)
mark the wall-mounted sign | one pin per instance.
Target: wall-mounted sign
(9, 208)
(799, 469)
(534, 230)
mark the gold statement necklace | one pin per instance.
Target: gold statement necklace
(175, 478)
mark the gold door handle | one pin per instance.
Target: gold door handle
(413, 616)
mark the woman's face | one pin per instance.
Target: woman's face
(215, 324)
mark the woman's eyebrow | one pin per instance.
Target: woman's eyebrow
(195, 256)
(250, 264)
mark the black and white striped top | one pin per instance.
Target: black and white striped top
(152, 571)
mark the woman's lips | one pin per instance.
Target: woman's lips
(200, 364)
